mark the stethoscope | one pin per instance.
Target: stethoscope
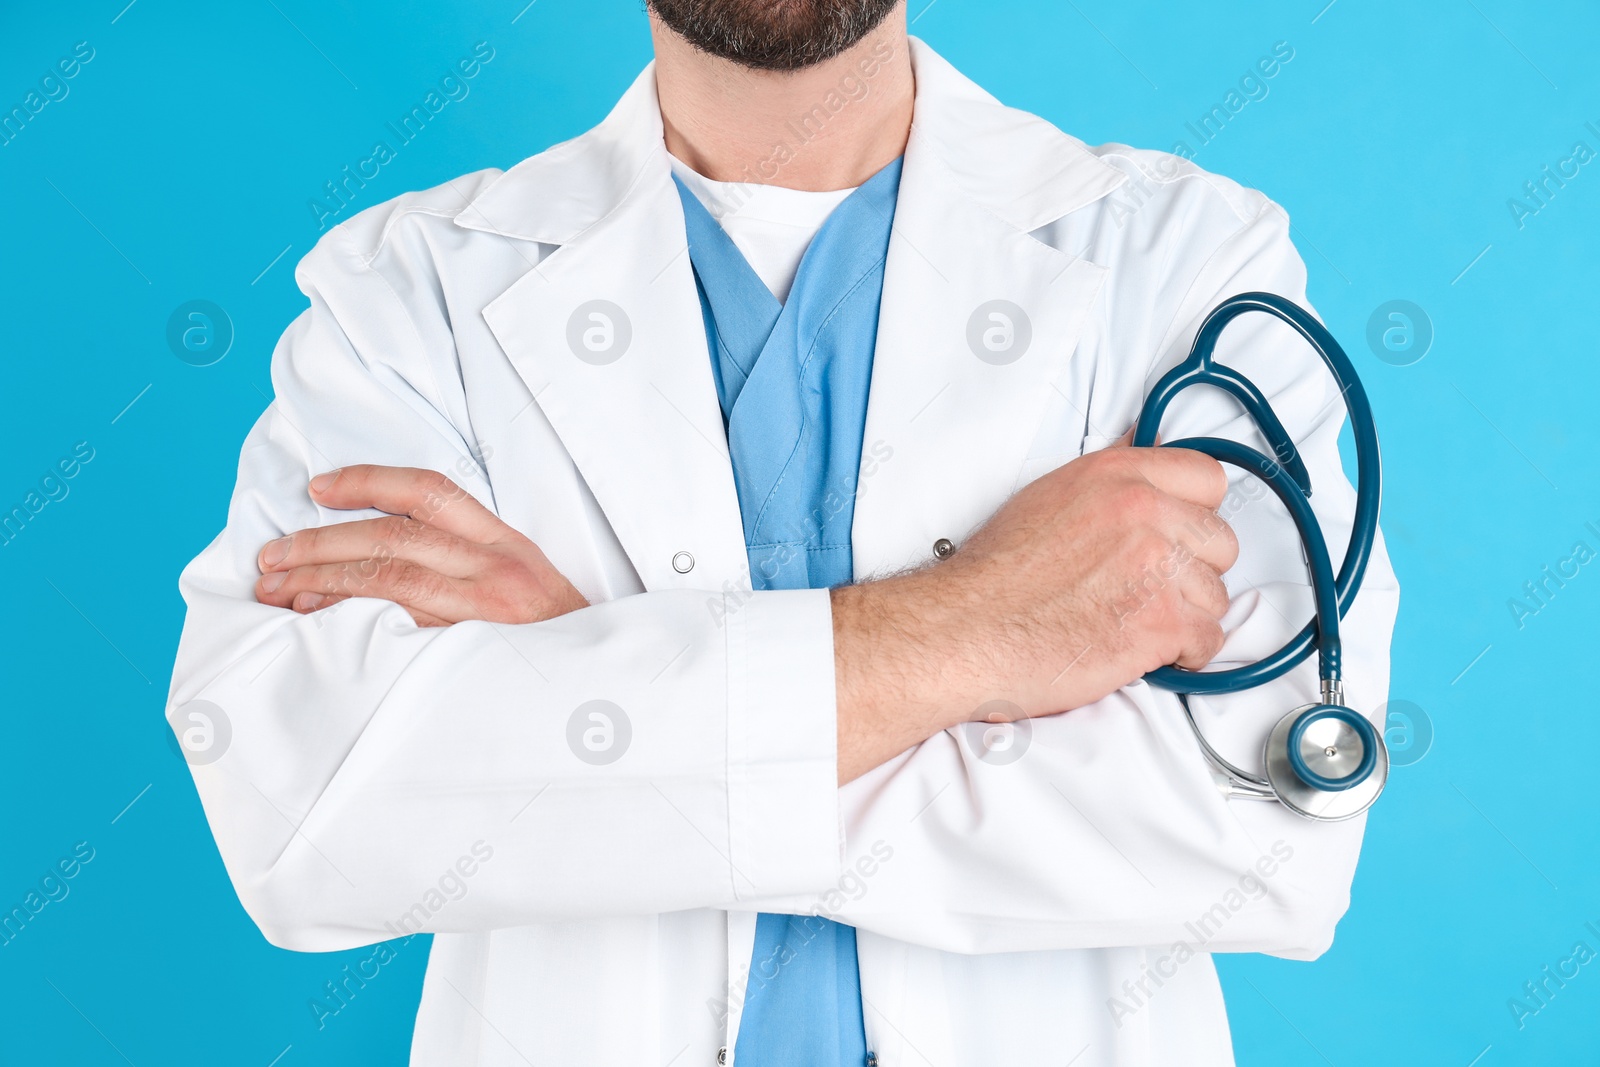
(1323, 761)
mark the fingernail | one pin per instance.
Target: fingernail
(272, 581)
(309, 602)
(275, 552)
(321, 482)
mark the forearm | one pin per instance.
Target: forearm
(1025, 618)
(1107, 829)
(367, 755)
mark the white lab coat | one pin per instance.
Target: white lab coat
(1022, 912)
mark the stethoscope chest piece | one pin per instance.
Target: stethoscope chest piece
(1326, 762)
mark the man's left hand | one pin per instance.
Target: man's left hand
(438, 553)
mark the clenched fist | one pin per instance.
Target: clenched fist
(1083, 582)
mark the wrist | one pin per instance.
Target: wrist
(902, 674)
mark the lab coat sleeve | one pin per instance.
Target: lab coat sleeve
(366, 778)
(1108, 829)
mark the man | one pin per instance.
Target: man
(696, 574)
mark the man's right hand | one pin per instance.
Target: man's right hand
(1084, 581)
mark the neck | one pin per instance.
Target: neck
(829, 126)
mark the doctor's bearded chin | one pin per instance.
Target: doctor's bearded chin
(772, 34)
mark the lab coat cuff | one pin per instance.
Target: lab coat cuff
(783, 793)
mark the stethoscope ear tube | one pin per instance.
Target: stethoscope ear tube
(1199, 369)
(1322, 633)
(1323, 761)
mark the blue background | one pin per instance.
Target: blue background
(180, 167)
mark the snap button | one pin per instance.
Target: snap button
(722, 1054)
(683, 563)
(943, 547)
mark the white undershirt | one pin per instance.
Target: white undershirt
(772, 226)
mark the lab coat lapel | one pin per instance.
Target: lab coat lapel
(978, 320)
(978, 323)
(607, 334)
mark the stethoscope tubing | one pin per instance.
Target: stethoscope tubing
(1287, 476)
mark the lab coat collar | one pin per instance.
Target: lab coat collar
(1016, 165)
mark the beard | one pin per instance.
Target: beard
(772, 34)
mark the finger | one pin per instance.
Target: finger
(1203, 589)
(1202, 639)
(1181, 472)
(427, 622)
(308, 603)
(412, 586)
(1203, 534)
(368, 543)
(305, 602)
(422, 494)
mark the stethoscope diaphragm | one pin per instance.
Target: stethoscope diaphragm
(1326, 762)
